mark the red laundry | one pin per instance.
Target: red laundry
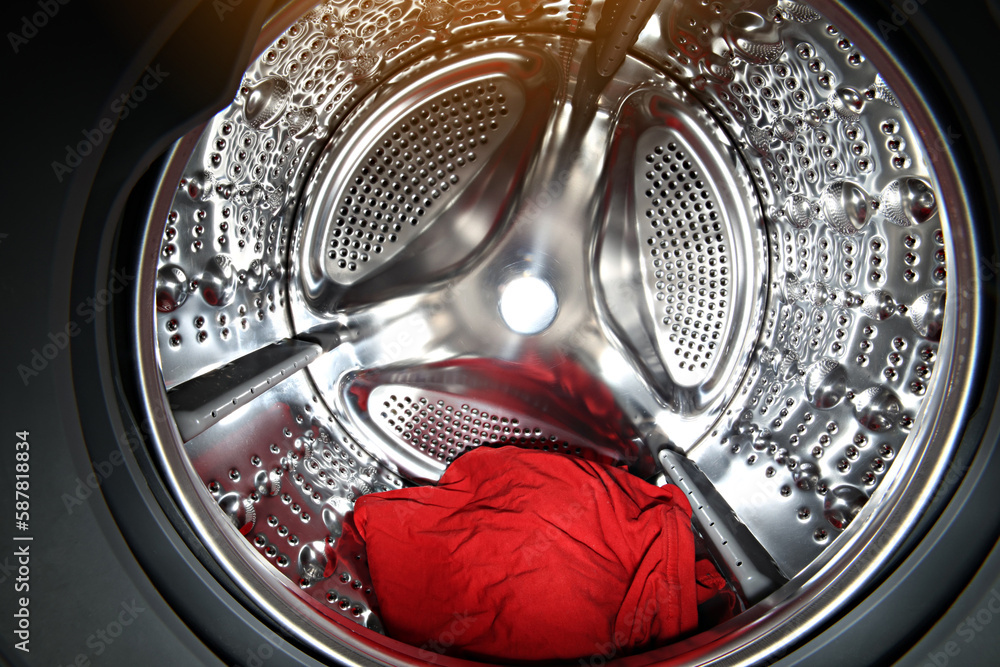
(527, 555)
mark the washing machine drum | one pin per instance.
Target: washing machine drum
(716, 245)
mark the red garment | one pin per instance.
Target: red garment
(527, 555)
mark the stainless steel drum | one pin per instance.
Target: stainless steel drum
(717, 242)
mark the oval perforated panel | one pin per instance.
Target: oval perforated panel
(413, 170)
(688, 255)
(440, 426)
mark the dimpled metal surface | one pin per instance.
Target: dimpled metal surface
(291, 475)
(785, 348)
(841, 366)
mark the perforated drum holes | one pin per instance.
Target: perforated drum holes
(689, 257)
(441, 427)
(413, 170)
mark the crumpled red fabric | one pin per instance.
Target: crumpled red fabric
(524, 555)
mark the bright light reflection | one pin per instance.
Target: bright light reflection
(528, 305)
